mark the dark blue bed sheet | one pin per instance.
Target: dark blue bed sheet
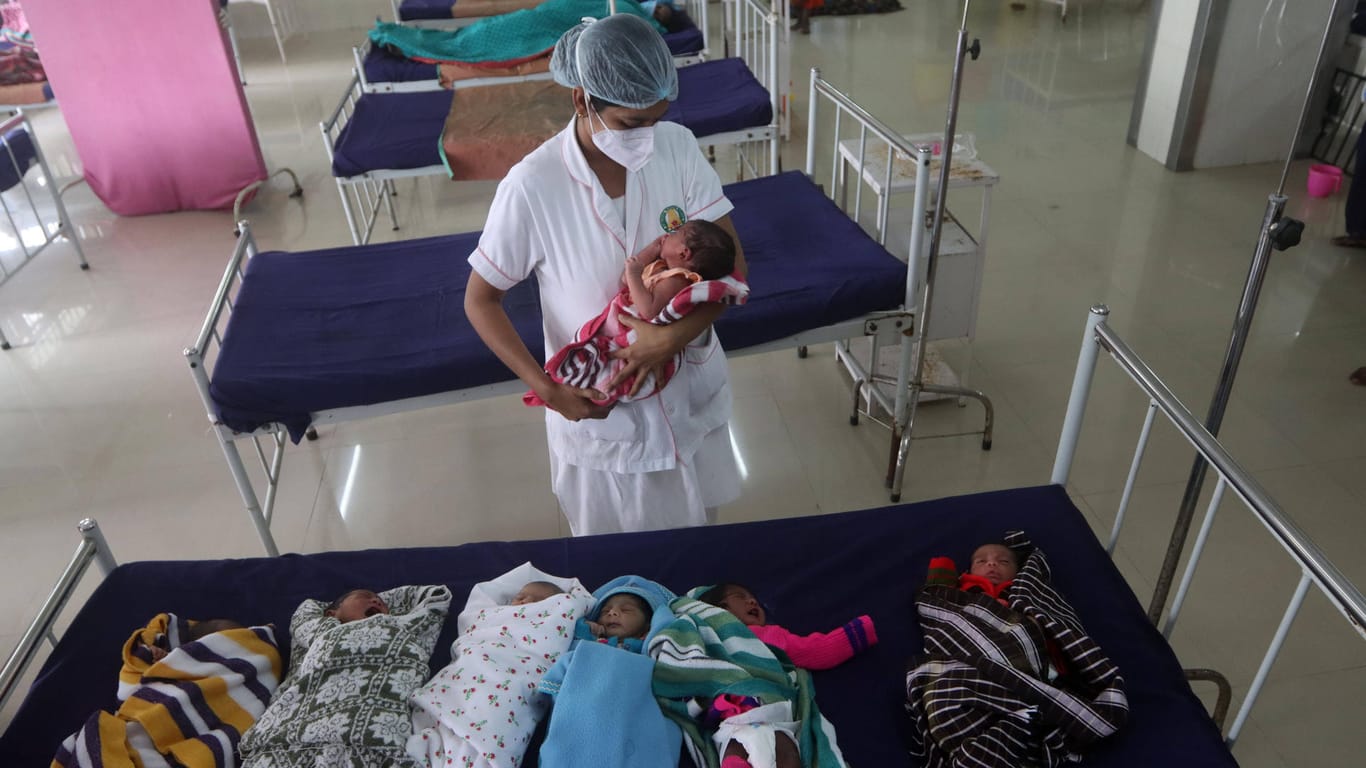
(413, 10)
(17, 155)
(392, 131)
(368, 324)
(813, 573)
(718, 96)
(397, 131)
(384, 66)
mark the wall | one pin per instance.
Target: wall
(300, 17)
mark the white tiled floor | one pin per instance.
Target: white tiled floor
(98, 415)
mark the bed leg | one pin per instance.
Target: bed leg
(4, 342)
(247, 492)
(389, 193)
(853, 410)
(892, 450)
(801, 352)
(311, 434)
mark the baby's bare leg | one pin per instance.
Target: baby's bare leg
(788, 757)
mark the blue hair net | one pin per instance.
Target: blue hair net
(621, 59)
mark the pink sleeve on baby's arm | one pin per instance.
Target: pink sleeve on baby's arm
(821, 650)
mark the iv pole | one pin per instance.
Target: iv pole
(1278, 232)
(918, 384)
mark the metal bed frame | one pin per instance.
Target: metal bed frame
(758, 35)
(890, 327)
(62, 227)
(1316, 568)
(697, 10)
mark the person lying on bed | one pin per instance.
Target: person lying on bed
(483, 708)
(816, 651)
(604, 713)
(188, 689)
(666, 13)
(1009, 675)
(503, 40)
(741, 703)
(353, 665)
(690, 265)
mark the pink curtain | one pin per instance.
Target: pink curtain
(150, 93)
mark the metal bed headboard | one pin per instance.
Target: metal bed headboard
(28, 212)
(94, 548)
(1315, 567)
(362, 195)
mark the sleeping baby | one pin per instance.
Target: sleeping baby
(482, 708)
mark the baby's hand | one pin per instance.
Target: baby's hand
(157, 653)
(596, 629)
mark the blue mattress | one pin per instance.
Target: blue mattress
(392, 131)
(414, 10)
(813, 572)
(718, 96)
(369, 324)
(383, 66)
(396, 131)
(17, 155)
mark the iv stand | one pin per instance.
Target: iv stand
(1278, 232)
(918, 384)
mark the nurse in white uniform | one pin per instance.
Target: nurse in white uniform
(571, 212)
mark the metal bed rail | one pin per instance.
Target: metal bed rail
(201, 358)
(873, 134)
(1315, 567)
(24, 217)
(756, 37)
(362, 195)
(93, 548)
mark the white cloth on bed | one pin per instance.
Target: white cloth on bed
(551, 218)
(481, 709)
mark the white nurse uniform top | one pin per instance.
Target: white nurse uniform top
(655, 463)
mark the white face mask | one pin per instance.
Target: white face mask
(630, 148)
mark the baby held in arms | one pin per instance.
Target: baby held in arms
(689, 266)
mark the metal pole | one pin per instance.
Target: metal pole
(922, 318)
(1081, 392)
(1252, 288)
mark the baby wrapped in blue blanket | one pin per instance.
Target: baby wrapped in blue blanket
(605, 714)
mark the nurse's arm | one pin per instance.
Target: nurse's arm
(484, 308)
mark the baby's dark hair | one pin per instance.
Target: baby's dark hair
(713, 249)
(202, 629)
(641, 602)
(717, 594)
(553, 588)
(336, 604)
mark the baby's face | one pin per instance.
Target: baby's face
(994, 563)
(675, 251)
(532, 593)
(744, 605)
(359, 604)
(621, 616)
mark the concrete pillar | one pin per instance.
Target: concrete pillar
(1223, 81)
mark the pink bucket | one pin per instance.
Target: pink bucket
(1324, 180)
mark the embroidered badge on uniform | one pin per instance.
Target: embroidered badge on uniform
(672, 218)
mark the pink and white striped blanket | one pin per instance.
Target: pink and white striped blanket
(587, 361)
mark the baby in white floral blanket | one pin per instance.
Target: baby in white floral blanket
(481, 710)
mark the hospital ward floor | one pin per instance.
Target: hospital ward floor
(99, 416)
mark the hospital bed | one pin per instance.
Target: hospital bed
(382, 71)
(868, 561)
(31, 224)
(396, 338)
(374, 139)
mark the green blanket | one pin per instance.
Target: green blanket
(706, 652)
(509, 37)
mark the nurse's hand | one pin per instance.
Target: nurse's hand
(573, 403)
(654, 347)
